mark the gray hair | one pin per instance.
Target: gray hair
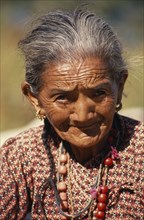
(64, 36)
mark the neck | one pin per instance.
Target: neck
(83, 155)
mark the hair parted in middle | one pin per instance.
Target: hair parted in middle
(66, 36)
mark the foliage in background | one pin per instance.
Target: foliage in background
(125, 15)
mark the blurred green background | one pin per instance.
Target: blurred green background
(126, 16)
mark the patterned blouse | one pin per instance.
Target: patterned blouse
(26, 165)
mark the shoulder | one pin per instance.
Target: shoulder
(27, 136)
(23, 144)
(132, 139)
(132, 143)
(130, 167)
(25, 156)
(132, 128)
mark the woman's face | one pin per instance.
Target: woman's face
(79, 100)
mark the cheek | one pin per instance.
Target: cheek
(57, 117)
(108, 106)
(55, 114)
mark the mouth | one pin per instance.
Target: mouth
(85, 127)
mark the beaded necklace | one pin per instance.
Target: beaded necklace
(98, 194)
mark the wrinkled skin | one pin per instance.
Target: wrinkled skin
(79, 100)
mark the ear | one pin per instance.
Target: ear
(26, 89)
(121, 84)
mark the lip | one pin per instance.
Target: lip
(86, 126)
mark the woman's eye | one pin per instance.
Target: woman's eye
(61, 99)
(100, 93)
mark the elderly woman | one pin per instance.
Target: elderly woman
(85, 162)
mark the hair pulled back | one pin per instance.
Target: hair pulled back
(64, 36)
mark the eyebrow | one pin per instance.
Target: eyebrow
(65, 90)
(100, 85)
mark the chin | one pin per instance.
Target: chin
(85, 139)
(83, 142)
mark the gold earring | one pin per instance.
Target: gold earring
(40, 116)
(118, 107)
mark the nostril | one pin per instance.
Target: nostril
(83, 109)
(82, 117)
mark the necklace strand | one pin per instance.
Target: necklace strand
(97, 181)
(69, 187)
(57, 199)
(96, 204)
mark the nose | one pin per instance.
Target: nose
(83, 110)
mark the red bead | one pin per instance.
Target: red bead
(101, 206)
(104, 189)
(108, 162)
(102, 198)
(100, 214)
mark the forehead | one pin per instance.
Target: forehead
(78, 71)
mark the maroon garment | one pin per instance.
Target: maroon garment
(26, 166)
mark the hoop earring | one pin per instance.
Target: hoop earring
(118, 107)
(40, 116)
